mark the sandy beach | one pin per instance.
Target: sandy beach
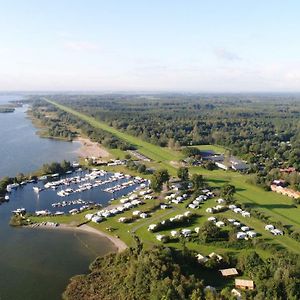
(119, 244)
(91, 149)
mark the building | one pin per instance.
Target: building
(186, 232)
(280, 182)
(251, 234)
(174, 233)
(244, 284)
(269, 227)
(236, 293)
(220, 224)
(288, 170)
(241, 235)
(201, 258)
(96, 219)
(222, 166)
(161, 237)
(218, 256)
(152, 227)
(239, 166)
(285, 191)
(229, 272)
(276, 232)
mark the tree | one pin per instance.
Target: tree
(191, 151)
(227, 191)
(163, 175)
(3, 184)
(209, 165)
(208, 232)
(127, 156)
(198, 181)
(20, 177)
(156, 185)
(141, 168)
(183, 173)
(158, 179)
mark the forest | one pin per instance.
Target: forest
(164, 273)
(264, 130)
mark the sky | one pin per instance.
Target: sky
(150, 45)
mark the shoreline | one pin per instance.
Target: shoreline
(87, 149)
(118, 244)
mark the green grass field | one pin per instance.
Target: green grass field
(215, 148)
(278, 207)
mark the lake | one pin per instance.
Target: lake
(35, 263)
(22, 150)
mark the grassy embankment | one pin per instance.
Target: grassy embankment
(279, 208)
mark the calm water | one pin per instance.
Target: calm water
(35, 263)
(22, 150)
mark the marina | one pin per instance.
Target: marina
(81, 189)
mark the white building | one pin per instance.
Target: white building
(122, 219)
(201, 258)
(276, 232)
(186, 232)
(160, 237)
(220, 224)
(251, 234)
(96, 219)
(151, 227)
(89, 216)
(245, 228)
(174, 233)
(246, 214)
(241, 235)
(269, 227)
(144, 215)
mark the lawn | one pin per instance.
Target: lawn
(215, 148)
(278, 207)
(149, 238)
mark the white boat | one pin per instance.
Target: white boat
(59, 213)
(37, 189)
(19, 211)
(14, 185)
(42, 212)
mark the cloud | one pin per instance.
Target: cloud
(81, 46)
(225, 54)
